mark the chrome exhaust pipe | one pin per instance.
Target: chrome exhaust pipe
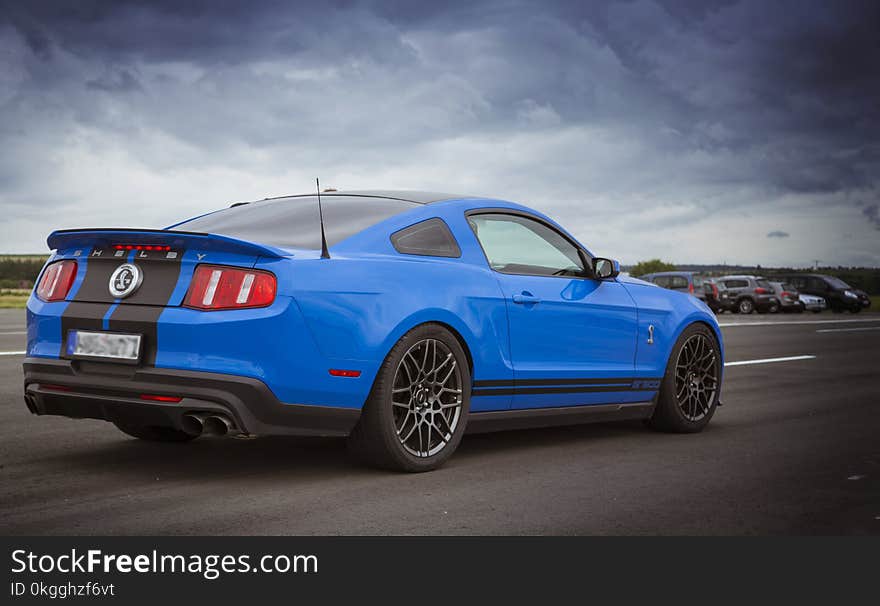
(219, 426)
(193, 424)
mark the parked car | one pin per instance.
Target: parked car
(838, 295)
(682, 281)
(712, 295)
(789, 298)
(746, 294)
(397, 319)
(813, 303)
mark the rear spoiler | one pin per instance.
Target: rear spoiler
(101, 238)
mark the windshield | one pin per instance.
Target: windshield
(294, 223)
(836, 282)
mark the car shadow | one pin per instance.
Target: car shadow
(209, 458)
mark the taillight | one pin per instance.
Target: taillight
(691, 288)
(715, 291)
(57, 280)
(219, 287)
(760, 291)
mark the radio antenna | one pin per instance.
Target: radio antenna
(325, 254)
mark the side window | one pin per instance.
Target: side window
(678, 282)
(514, 244)
(431, 238)
(736, 283)
(662, 281)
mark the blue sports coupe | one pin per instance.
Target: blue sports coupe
(398, 319)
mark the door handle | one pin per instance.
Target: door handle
(525, 298)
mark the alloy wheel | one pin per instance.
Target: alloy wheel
(696, 376)
(426, 398)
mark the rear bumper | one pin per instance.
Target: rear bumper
(113, 393)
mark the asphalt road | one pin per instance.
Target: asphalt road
(794, 449)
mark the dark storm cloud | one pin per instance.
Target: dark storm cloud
(872, 213)
(778, 234)
(674, 111)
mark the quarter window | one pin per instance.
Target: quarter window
(514, 244)
(431, 238)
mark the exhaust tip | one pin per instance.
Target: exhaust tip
(192, 424)
(31, 404)
(217, 426)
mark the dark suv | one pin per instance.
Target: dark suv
(839, 295)
(682, 281)
(745, 294)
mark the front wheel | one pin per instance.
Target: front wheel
(416, 413)
(690, 389)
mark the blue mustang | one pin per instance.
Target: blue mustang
(398, 319)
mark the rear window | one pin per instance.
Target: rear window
(764, 284)
(736, 283)
(294, 222)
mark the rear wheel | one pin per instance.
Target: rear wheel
(153, 433)
(417, 410)
(689, 390)
(745, 306)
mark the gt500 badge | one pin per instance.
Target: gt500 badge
(125, 279)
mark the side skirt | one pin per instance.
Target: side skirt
(484, 422)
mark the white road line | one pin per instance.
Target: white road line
(765, 323)
(12, 353)
(769, 360)
(850, 329)
(14, 332)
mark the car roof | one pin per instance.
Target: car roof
(418, 197)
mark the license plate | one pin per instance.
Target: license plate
(104, 345)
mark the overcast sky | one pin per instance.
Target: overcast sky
(737, 131)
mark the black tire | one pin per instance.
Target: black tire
(774, 308)
(152, 433)
(855, 310)
(671, 413)
(376, 440)
(745, 306)
(817, 311)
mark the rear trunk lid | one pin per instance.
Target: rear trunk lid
(163, 262)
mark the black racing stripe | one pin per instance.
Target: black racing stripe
(160, 279)
(95, 286)
(81, 316)
(513, 391)
(140, 312)
(518, 382)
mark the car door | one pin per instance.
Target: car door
(572, 338)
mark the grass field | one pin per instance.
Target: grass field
(13, 298)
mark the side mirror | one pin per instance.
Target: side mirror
(605, 269)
